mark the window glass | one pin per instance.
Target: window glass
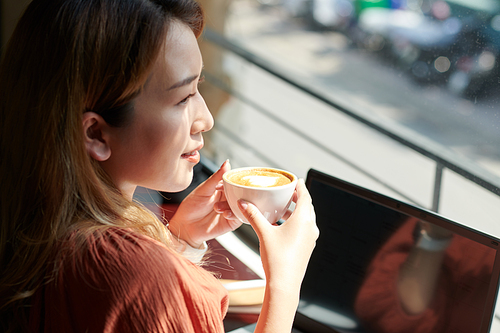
(426, 71)
(430, 66)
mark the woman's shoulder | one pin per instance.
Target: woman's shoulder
(120, 258)
(121, 278)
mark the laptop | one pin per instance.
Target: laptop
(375, 268)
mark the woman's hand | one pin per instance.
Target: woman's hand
(204, 214)
(285, 251)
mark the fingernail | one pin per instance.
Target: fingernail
(243, 204)
(225, 162)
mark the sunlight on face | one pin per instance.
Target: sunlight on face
(160, 147)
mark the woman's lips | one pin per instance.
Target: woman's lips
(190, 154)
(193, 156)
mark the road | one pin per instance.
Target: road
(359, 80)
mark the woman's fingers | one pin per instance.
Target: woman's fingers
(303, 217)
(302, 193)
(253, 216)
(221, 206)
(213, 182)
(220, 186)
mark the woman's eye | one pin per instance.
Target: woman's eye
(185, 100)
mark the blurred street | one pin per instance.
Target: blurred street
(329, 62)
(357, 79)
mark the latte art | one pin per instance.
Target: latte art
(269, 189)
(260, 178)
(262, 181)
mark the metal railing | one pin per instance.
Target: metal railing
(443, 158)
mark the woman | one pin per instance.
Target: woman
(99, 97)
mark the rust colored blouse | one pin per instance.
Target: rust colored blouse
(126, 282)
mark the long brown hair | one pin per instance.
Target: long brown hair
(64, 58)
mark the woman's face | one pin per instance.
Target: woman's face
(160, 146)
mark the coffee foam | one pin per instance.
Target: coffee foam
(261, 181)
(260, 178)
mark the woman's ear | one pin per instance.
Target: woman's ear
(95, 135)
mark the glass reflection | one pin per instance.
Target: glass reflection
(425, 279)
(377, 270)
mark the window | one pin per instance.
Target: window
(376, 80)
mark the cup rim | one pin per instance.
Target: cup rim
(273, 188)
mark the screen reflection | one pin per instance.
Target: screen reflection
(377, 270)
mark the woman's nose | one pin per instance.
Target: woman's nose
(203, 118)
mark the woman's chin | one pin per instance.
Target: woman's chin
(180, 185)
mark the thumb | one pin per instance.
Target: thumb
(254, 216)
(208, 186)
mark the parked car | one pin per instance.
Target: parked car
(451, 44)
(478, 68)
(410, 38)
(322, 14)
(332, 14)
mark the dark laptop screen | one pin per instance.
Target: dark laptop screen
(375, 268)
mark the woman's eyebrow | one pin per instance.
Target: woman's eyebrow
(184, 82)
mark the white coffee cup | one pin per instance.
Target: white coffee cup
(272, 201)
